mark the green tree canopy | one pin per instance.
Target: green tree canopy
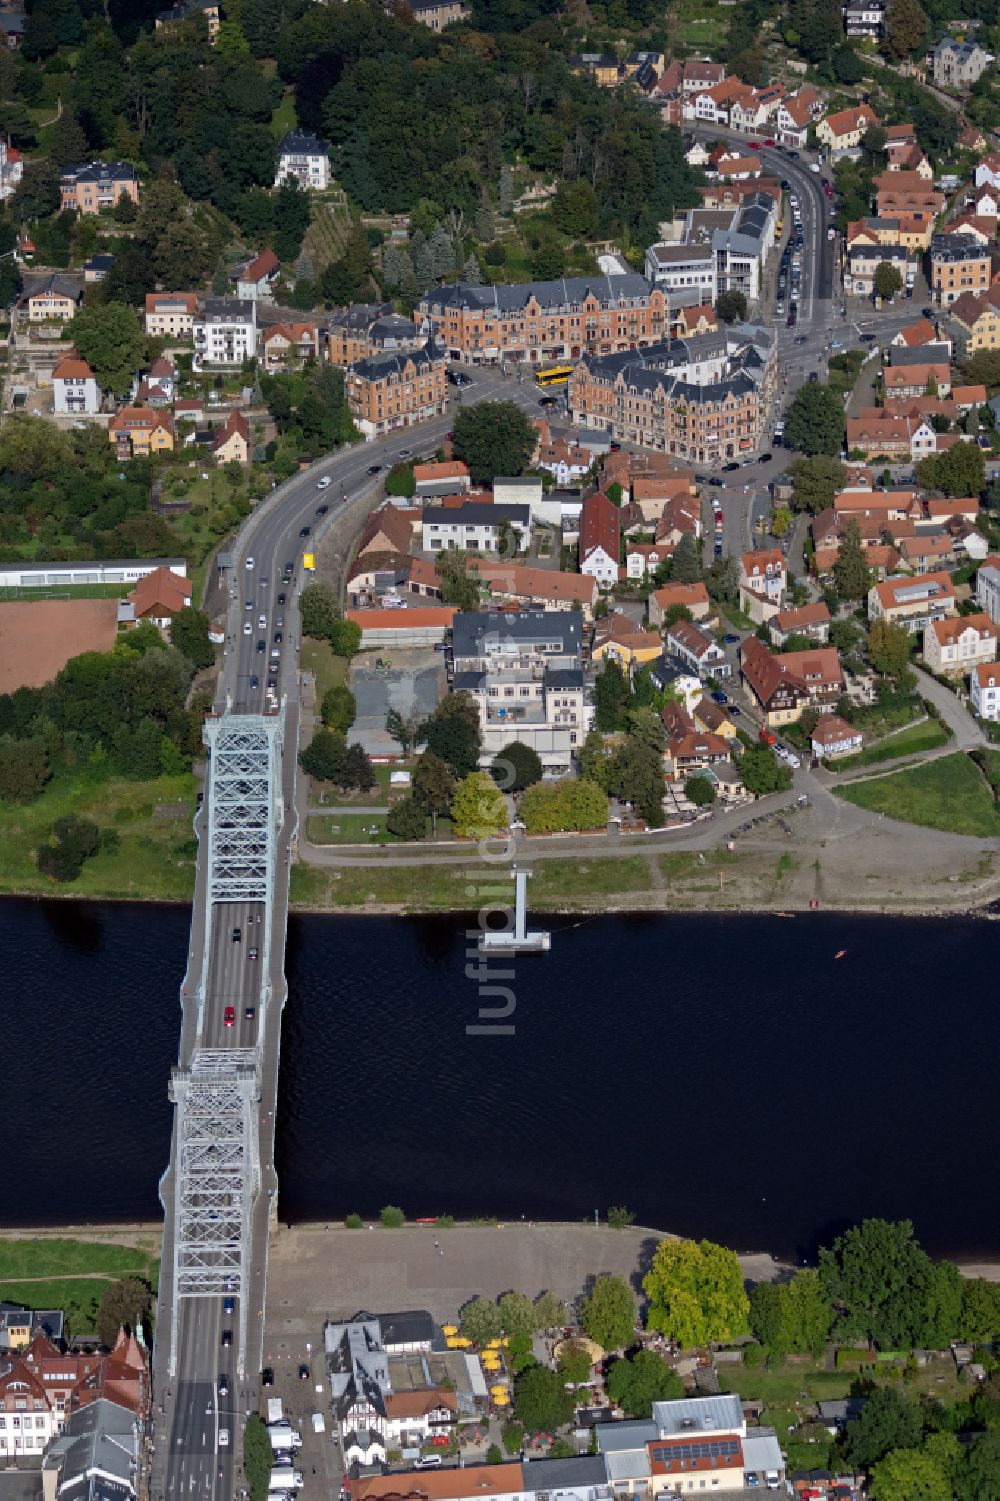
(731, 307)
(541, 1399)
(493, 438)
(608, 1312)
(909, 1475)
(109, 337)
(635, 1384)
(695, 1292)
(880, 1277)
(851, 573)
(320, 611)
(189, 633)
(889, 648)
(815, 482)
(338, 708)
(124, 1304)
(452, 733)
(814, 422)
(478, 808)
(481, 1321)
(888, 280)
(887, 1421)
(516, 767)
(72, 840)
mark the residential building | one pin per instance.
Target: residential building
(304, 157)
(391, 391)
(256, 278)
(474, 526)
(689, 1445)
(959, 263)
(43, 1387)
(357, 1365)
(979, 316)
(545, 320)
(781, 694)
(863, 262)
(97, 1456)
(701, 73)
(697, 650)
(618, 638)
(536, 588)
(954, 646)
(987, 586)
(437, 14)
(171, 315)
(75, 388)
(139, 431)
(864, 18)
(763, 579)
(95, 268)
(55, 299)
(602, 67)
(11, 168)
(524, 672)
(890, 437)
(958, 65)
(793, 120)
(225, 332)
(567, 463)
(232, 443)
(911, 602)
(89, 187)
(694, 598)
(158, 596)
(984, 688)
(833, 737)
(805, 620)
(448, 478)
(915, 379)
(642, 558)
(599, 543)
(906, 193)
(284, 344)
(845, 129)
(708, 715)
(18, 1326)
(365, 329)
(705, 399)
(12, 26)
(184, 10)
(686, 269)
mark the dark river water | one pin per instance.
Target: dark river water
(720, 1076)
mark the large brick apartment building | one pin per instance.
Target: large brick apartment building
(396, 390)
(704, 399)
(366, 329)
(542, 321)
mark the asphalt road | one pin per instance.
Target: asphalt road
(191, 1407)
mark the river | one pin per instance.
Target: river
(719, 1076)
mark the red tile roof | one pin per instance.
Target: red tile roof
(599, 521)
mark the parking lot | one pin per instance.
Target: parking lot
(319, 1458)
(411, 680)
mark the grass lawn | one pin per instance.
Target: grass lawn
(318, 658)
(283, 118)
(68, 591)
(156, 856)
(78, 1297)
(950, 794)
(64, 1258)
(701, 23)
(555, 883)
(350, 828)
(918, 737)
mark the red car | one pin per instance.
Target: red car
(754, 145)
(229, 1016)
(768, 143)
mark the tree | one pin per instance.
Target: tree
(345, 638)
(517, 1315)
(339, 708)
(695, 1292)
(110, 338)
(816, 481)
(687, 561)
(516, 767)
(851, 573)
(320, 611)
(258, 1457)
(404, 728)
(909, 1475)
(731, 307)
(24, 768)
(608, 1313)
(635, 774)
(358, 773)
(574, 1363)
(976, 1477)
(981, 369)
(637, 1383)
(960, 470)
(407, 819)
(806, 1314)
(68, 141)
(814, 422)
(888, 280)
(943, 1313)
(189, 633)
(887, 1421)
(847, 65)
(765, 1316)
(493, 438)
(906, 28)
(889, 648)
(610, 697)
(452, 733)
(433, 783)
(699, 790)
(762, 772)
(478, 809)
(37, 195)
(980, 1319)
(550, 1311)
(72, 840)
(124, 1304)
(576, 209)
(325, 756)
(481, 1321)
(541, 1399)
(880, 1277)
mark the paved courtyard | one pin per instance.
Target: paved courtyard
(413, 682)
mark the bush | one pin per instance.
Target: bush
(753, 1357)
(619, 1218)
(407, 819)
(392, 1217)
(512, 1437)
(445, 1222)
(494, 1455)
(71, 841)
(353, 1222)
(258, 1457)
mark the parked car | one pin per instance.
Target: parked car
(719, 697)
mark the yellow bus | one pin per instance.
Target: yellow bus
(554, 375)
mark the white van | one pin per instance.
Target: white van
(223, 1438)
(428, 1462)
(285, 1477)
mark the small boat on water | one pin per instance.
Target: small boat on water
(840, 953)
(782, 914)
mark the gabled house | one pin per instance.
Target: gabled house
(984, 690)
(305, 158)
(599, 543)
(697, 650)
(806, 620)
(845, 130)
(139, 431)
(833, 737)
(955, 646)
(74, 386)
(232, 443)
(763, 580)
(284, 343)
(782, 696)
(912, 602)
(694, 598)
(255, 278)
